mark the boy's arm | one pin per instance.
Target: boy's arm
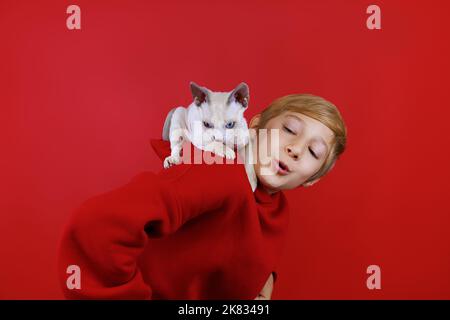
(107, 234)
(266, 291)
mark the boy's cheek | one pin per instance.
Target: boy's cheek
(295, 181)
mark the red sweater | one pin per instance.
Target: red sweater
(193, 231)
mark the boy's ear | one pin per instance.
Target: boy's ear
(310, 183)
(255, 120)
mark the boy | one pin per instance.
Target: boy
(198, 231)
(311, 136)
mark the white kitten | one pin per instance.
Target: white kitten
(214, 122)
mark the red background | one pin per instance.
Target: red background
(78, 108)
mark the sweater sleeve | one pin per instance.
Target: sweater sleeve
(107, 233)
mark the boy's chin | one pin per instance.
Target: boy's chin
(271, 183)
(274, 184)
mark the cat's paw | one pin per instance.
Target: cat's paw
(170, 161)
(229, 153)
(219, 149)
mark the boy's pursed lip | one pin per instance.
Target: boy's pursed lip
(280, 167)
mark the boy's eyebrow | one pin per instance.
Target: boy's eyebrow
(295, 117)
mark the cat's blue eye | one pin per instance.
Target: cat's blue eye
(230, 125)
(207, 125)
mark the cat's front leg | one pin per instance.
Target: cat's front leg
(176, 136)
(173, 159)
(242, 138)
(176, 145)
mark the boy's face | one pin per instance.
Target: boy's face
(302, 148)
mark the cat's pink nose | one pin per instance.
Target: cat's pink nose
(217, 139)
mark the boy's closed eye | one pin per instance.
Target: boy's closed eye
(313, 153)
(286, 128)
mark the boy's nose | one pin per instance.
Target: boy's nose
(292, 153)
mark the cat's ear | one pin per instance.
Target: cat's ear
(200, 94)
(240, 94)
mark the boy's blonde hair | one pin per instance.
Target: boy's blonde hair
(319, 109)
